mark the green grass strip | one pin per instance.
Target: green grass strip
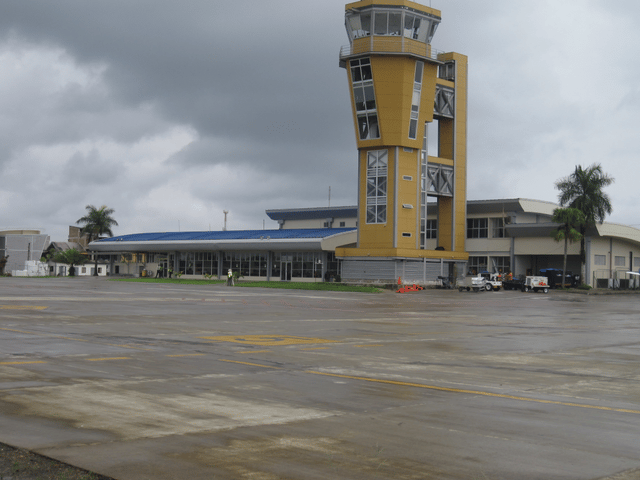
(318, 286)
(321, 286)
(169, 280)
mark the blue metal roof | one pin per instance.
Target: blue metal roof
(312, 213)
(297, 233)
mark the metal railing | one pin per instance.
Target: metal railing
(390, 44)
(615, 279)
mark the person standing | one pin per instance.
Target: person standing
(159, 272)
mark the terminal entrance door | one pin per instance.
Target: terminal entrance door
(286, 262)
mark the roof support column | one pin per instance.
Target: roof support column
(325, 261)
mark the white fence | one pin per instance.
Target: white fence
(32, 268)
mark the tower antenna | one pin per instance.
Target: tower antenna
(224, 228)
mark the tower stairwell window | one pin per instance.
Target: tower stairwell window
(364, 99)
(415, 102)
(377, 162)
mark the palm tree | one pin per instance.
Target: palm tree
(569, 219)
(71, 257)
(583, 190)
(97, 222)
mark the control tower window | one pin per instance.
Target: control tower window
(390, 22)
(368, 126)
(359, 25)
(411, 26)
(387, 23)
(420, 29)
(364, 99)
(361, 70)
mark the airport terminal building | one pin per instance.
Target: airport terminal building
(506, 235)
(287, 254)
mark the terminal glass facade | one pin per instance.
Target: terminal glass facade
(273, 265)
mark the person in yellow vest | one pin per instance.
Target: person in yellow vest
(229, 277)
(159, 272)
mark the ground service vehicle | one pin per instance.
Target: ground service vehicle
(494, 281)
(513, 284)
(477, 284)
(554, 275)
(445, 282)
(537, 284)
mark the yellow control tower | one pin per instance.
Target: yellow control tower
(409, 106)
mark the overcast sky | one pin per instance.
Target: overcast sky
(171, 112)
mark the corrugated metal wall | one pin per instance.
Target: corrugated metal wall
(388, 270)
(21, 248)
(382, 270)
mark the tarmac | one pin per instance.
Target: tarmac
(166, 381)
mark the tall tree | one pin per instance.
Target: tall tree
(570, 220)
(96, 223)
(583, 190)
(71, 257)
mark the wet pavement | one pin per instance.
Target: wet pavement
(165, 381)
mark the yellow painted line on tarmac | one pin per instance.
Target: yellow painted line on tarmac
(17, 331)
(107, 358)
(68, 338)
(251, 364)
(22, 363)
(187, 355)
(365, 346)
(475, 392)
(268, 340)
(22, 307)
(121, 346)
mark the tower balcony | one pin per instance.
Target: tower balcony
(388, 45)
